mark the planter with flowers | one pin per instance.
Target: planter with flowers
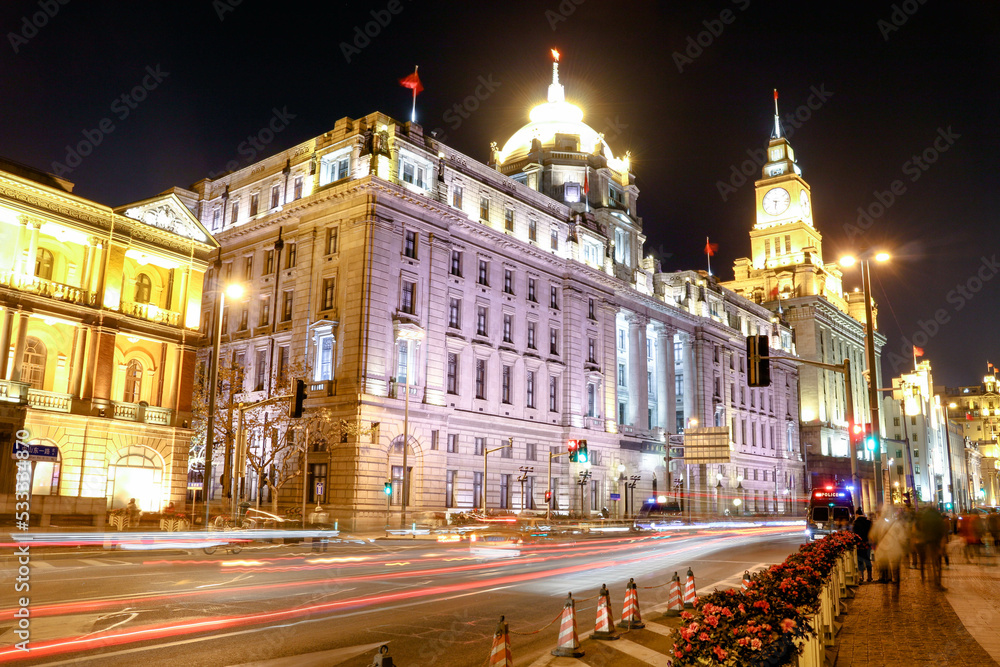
(119, 519)
(174, 522)
(784, 612)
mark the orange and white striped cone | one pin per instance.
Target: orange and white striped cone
(605, 626)
(631, 618)
(746, 579)
(674, 603)
(500, 655)
(689, 594)
(569, 643)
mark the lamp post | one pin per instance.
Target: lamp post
(235, 291)
(522, 478)
(866, 290)
(486, 454)
(718, 493)
(634, 480)
(622, 483)
(584, 476)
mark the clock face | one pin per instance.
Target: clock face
(804, 202)
(775, 201)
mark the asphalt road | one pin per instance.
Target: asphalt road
(433, 604)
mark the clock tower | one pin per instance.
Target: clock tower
(784, 233)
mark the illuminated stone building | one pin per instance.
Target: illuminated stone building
(101, 309)
(514, 300)
(786, 272)
(977, 409)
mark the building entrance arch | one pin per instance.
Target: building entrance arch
(136, 472)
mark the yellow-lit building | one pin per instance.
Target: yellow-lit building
(977, 409)
(101, 308)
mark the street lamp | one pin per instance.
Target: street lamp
(866, 289)
(235, 291)
(525, 470)
(486, 453)
(634, 480)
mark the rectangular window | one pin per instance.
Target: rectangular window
(530, 388)
(331, 240)
(282, 375)
(403, 362)
(505, 488)
(553, 394)
(554, 297)
(269, 262)
(225, 319)
(265, 311)
(236, 212)
(531, 335)
(477, 489)
(590, 309)
(484, 208)
(505, 389)
(286, 306)
(254, 203)
(409, 292)
(531, 290)
(455, 314)
(260, 368)
(767, 247)
(290, 258)
(481, 378)
(343, 168)
(452, 443)
(248, 267)
(481, 320)
(621, 375)
(480, 446)
(591, 350)
(452, 373)
(591, 400)
(456, 196)
(244, 316)
(508, 219)
(449, 488)
(553, 341)
(329, 292)
(484, 273)
(788, 243)
(297, 188)
(408, 172)
(410, 244)
(435, 434)
(456, 263)
(532, 230)
(275, 196)
(554, 238)
(326, 358)
(529, 451)
(216, 218)
(508, 281)
(508, 324)
(239, 370)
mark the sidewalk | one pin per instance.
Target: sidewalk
(922, 625)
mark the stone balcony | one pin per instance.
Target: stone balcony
(52, 401)
(151, 312)
(47, 288)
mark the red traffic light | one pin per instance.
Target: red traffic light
(548, 496)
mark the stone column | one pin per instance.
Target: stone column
(22, 338)
(79, 345)
(6, 330)
(17, 263)
(690, 386)
(102, 364)
(29, 261)
(638, 392)
(664, 377)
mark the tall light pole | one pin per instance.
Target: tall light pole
(235, 291)
(866, 289)
(486, 454)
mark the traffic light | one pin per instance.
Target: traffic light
(300, 396)
(548, 496)
(869, 438)
(581, 452)
(387, 488)
(573, 446)
(758, 368)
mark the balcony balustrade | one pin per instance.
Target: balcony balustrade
(151, 312)
(48, 288)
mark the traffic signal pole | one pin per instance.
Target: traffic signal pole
(548, 493)
(486, 454)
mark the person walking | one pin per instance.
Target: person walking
(862, 528)
(891, 538)
(133, 513)
(932, 531)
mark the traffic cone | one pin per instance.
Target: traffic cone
(605, 626)
(689, 594)
(569, 643)
(500, 655)
(630, 610)
(746, 579)
(674, 603)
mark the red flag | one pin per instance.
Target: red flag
(586, 182)
(918, 351)
(412, 82)
(710, 248)
(774, 292)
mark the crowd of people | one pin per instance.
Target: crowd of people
(923, 538)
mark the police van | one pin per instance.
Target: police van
(830, 509)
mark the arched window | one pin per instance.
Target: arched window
(43, 263)
(133, 381)
(143, 288)
(33, 363)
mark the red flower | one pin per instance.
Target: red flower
(720, 653)
(787, 625)
(755, 644)
(703, 637)
(727, 613)
(686, 615)
(712, 620)
(678, 654)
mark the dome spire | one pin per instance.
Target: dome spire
(556, 91)
(776, 132)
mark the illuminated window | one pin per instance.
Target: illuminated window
(286, 306)
(235, 212)
(297, 188)
(484, 208)
(254, 203)
(455, 313)
(269, 262)
(133, 382)
(44, 261)
(529, 381)
(554, 238)
(329, 292)
(508, 219)
(290, 258)
(452, 374)
(33, 363)
(332, 235)
(531, 335)
(410, 244)
(532, 230)
(265, 311)
(143, 288)
(275, 196)
(456, 196)
(481, 378)
(456, 263)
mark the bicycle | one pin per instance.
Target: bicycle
(232, 547)
(226, 525)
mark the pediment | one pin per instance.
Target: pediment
(168, 213)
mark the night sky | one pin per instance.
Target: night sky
(887, 81)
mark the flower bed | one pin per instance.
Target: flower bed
(760, 626)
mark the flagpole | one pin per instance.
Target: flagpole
(708, 255)
(413, 112)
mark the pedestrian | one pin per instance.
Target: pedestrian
(993, 526)
(970, 527)
(133, 511)
(890, 535)
(862, 527)
(170, 510)
(932, 530)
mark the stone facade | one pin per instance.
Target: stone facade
(976, 409)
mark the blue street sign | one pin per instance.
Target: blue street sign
(616, 496)
(37, 452)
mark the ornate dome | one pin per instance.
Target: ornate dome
(557, 116)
